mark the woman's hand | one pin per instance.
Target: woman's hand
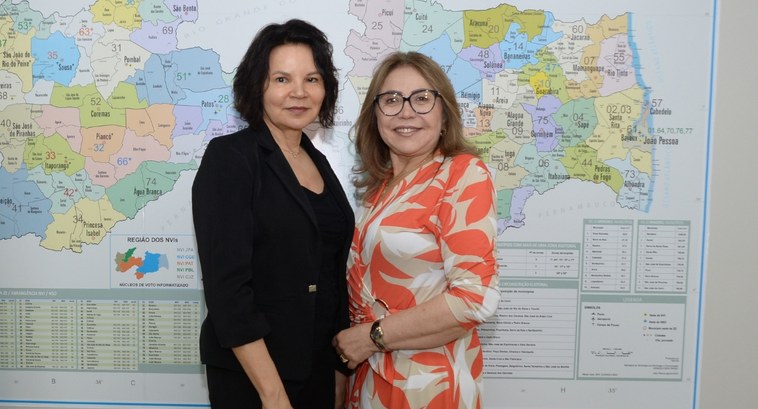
(260, 368)
(354, 344)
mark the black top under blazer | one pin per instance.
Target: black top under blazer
(259, 247)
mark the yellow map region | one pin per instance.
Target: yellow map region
(617, 114)
(54, 154)
(16, 52)
(488, 27)
(121, 12)
(87, 222)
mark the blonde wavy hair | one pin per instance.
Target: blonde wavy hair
(373, 154)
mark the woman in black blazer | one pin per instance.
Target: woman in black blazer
(273, 229)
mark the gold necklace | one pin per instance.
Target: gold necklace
(293, 153)
(290, 150)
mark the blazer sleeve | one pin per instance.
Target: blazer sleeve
(222, 210)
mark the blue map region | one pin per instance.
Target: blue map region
(152, 262)
(166, 77)
(195, 69)
(55, 59)
(636, 63)
(516, 49)
(546, 133)
(24, 209)
(638, 186)
(441, 51)
(464, 77)
(488, 61)
(150, 82)
(515, 201)
(466, 80)
(156, 38)
(214, 104)
(188, 120)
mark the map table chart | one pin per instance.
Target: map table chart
(607, 264)
(86, 334)
(662, 254)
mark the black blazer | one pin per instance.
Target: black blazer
(259, 247)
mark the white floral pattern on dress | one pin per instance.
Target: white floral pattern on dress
(433, 233)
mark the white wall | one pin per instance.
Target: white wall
(729, 374)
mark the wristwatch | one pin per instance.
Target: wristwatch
(377, 335)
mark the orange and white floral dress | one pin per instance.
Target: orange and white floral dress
(433, 233)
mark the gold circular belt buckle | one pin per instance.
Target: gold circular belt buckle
(380, 308)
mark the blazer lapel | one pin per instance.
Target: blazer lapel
(278, 163)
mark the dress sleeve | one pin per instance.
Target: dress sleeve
(222, 195)
(468, 231)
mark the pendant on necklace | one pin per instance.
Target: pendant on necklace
(293, 153)
(284, 146)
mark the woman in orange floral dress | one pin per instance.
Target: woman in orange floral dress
(421, 271)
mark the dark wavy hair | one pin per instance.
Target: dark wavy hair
(252, 73)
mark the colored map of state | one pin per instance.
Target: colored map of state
(100, 113)
(544, 101)
(149, 263)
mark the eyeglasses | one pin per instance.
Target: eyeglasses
(421, 101)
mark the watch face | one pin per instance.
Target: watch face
(377, 334)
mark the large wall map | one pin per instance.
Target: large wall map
(96, 113)
(591, 115)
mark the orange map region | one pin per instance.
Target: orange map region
(124, 266)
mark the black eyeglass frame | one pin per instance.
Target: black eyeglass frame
(407, 99)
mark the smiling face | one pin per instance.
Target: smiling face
(409, 136)
(294, 90)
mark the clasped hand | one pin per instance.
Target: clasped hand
(354, 344)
